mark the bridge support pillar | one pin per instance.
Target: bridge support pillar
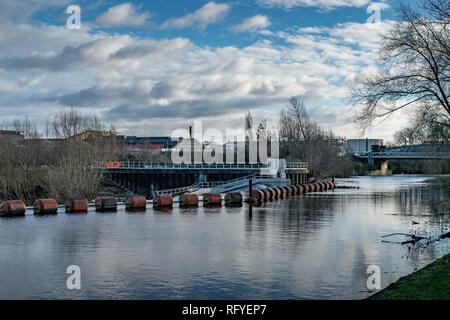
(384, 168)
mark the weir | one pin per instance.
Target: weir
(147, 178)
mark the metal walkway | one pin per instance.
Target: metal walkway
(226, 186)
(422, 151)
(197, 166)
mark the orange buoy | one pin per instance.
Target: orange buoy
(300, 189)
(136, 203)
(257, 196)
(294, 189)
(267, 195)
(45, 206)
(272, 194)
(212, 199)
(77, 205)
(189, 200)
(106, 204)
(233, 198)
(13, 208)
(163, 200)
(277, 193)
(283, 193)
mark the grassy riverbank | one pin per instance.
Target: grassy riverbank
(429, 283)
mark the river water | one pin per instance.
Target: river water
(316, 246)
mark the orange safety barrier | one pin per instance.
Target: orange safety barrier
(257, 195)
(106, 204)
(188, 200)
(301, 189)
(12, 208)
(233, 198)
(212, 199)
(45, 206)
(136, 203)
(267, 195)
(163, 200)
(113, 164)
(77, 205)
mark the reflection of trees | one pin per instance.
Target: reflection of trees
(295, 218)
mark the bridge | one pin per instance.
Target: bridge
(410, 152)
(147, 177)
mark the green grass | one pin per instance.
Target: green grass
(429, 283)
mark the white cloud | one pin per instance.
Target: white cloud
(288, 4)
(252, 24)
(135, 81)
(209, 13)
(124, 14)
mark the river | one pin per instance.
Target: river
(316, 246)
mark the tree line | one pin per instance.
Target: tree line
(61, 167)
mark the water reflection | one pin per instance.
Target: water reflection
(313, 246)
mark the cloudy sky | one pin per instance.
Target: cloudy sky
(150, 67)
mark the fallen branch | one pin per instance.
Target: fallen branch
(413, 237)
(445, 235)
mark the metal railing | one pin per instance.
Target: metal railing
(296, 165)
(171, 165)
(405, 155)
(211, 184)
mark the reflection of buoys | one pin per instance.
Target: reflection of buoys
(233, 198)
(136, 203)
(12, 208)
(106, 204)
(212, 199)
(77, 205)
(188, 200)
(163, 200)
(45, 206)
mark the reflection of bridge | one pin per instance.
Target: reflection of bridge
(148, 177)
(412, 152)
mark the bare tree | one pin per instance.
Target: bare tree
(415, 70)
(69, 123)
(72, 172)
(302, 139)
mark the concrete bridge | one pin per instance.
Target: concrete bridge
(148, 177)
(411, 152)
